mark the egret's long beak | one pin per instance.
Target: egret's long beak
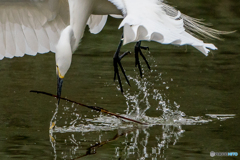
(59, 88)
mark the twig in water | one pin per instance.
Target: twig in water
(90, 107)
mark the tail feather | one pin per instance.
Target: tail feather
(195, 26)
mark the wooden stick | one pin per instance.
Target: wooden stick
(90, 107)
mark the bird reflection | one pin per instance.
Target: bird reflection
(134, 142)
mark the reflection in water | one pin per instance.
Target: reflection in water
(82, 135)
(134, 142)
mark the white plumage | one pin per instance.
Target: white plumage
(96, 23)
(149, 20)
(40, 26)
(35, 26)
(30, 27)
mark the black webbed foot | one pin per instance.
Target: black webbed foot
(117, 62)
(138, 51)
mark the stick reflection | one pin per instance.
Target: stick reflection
(125, 143)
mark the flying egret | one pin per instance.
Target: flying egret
(40, 26)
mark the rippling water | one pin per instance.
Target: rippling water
(138, 141)
(190, 102)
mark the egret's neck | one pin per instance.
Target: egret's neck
(80, 10)
(64, 51)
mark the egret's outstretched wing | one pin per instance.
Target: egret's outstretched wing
(153, 20)
(31, 26)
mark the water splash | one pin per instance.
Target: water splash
(145, 98)
(83, 135)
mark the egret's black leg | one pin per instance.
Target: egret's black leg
(117, 62)
(138, 51)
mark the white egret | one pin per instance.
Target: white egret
(40, 26)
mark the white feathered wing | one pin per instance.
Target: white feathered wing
(31, 27)
(153, 20)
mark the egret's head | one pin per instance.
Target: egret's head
(63, 63)
(63, 57)
(62, 66)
